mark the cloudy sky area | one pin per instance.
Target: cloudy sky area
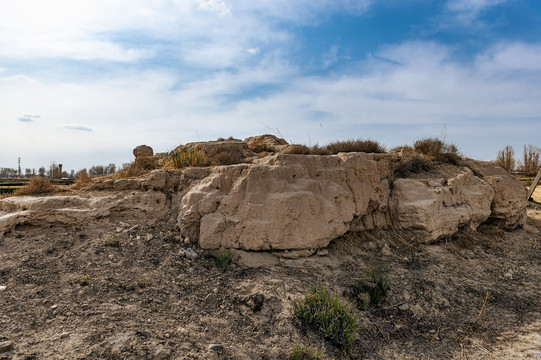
(83, 82)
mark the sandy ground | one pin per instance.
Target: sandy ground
(95, 292)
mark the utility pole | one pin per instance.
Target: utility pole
(19, 161)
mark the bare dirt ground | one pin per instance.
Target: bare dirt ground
(111, 291)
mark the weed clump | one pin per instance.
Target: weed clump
(330, 315)
(82, 179)
(371, 290)
(223, 258)
(36, 186)
(438, 150)
(301, 352)
(183, 157)
(365, 146)
(412, 165)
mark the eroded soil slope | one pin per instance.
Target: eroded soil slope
(120, 291)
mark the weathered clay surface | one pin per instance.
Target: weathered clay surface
(263, 142)
(232, 146)
(508, 210)
(283, 202)
(291, 202)
(73, 209)
(436, 207)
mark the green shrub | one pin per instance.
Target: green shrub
(330, 315)
(376, 287)
(301, 352)
(183, 157)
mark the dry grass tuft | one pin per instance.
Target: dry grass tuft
(224, 157)
(297, 149)
(183, 157)
(365, 146)
(412, 164)
(438, 150)
(141, 166)
(36, 186)
(82, 180)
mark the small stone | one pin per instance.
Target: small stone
(162, 353)
(64, 335)
(149, 237)
(187, 240)
(54, 306)
(5, 346)
(211, 299)
(508, 275)
(2, 288)
(191, 254)
(131, 244)
(149, 321)
(112, 257)
(181, 253)
(386, 250)
(322, 252)
(216, 347)
(404, 307)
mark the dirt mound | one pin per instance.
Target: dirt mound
(120, 290)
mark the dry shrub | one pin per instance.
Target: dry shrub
(183, 157)
(365, 146)
(297, 149)
(262, 148)
(318, 150)
(438, 150)
(412, 164)
(82, 179)
(37, 185)
(224, 157)
(141, 166)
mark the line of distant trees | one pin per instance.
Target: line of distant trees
(55, 171)
(528, 164)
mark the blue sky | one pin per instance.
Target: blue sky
(84, 82)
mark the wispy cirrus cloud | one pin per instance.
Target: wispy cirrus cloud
(77, 127)
(469, 10)
(28, 118)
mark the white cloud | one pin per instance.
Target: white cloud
(468, 10)
(77, 127)
(216, 6)
(253, 51)
(506, 57)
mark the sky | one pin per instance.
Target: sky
(84, 82)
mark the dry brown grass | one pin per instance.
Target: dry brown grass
(36, 186)
(438, 150)
(82, 180)
(224, 157)
(365, 146)
(297, 149)
(412, 164)
(141, 166)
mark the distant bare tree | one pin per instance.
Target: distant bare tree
(506, 158)
(41, 171)
(531, 159)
